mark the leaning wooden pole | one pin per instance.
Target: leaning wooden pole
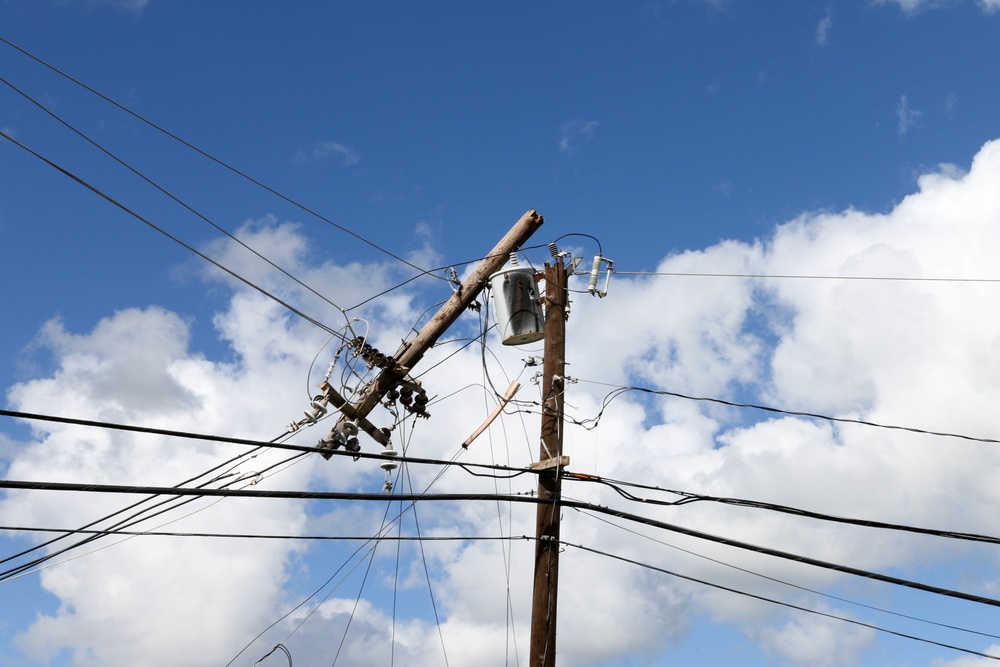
(543, 608)
(412, 351)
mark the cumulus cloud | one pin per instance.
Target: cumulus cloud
(970, 661)
(920, 354)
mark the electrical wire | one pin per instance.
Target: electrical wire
(619, 390)
(361, 588)
(423, 559)
(164, 232)
(510, 635)
(282, 647)
(162, 190)
(261, 536)
(230, 462)
(468, 467)
(777, 602)
(787, 583)
(379, 536)
(684, 274)
(380, 497)
(171, 503)
(688, 498)
(214, 159)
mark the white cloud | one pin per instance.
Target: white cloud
(570, 132)
(823, 29)
(135, 7)
(970, 661)
(917, 6)
(917, 354)
(907, 118)
(329, 150)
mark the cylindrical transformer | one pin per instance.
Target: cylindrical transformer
(519, 315)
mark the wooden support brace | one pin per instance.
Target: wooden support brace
(548, 464)
(511, 390)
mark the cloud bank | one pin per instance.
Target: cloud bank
(914, 353)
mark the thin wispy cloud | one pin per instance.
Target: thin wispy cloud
(329, 150)
(950, 104)
(823, 29)
(912, 7)
(572, 132)
(135, 7)
(907, 117)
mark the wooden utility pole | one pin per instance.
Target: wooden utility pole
(414, 350)
(550, 463)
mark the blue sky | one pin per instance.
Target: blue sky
(832, 139)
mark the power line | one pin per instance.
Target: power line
(260, 536)
(490, 497)
(688, 498)
(789, 584)
(793, 413)
(162, 190)
(468, 467)
(132, 520)
(685, 274)
(214, 159)
(170, 236)
(772, 601)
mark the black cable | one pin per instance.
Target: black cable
(233, 460)
(170, 236)
(266, 655)
(788, 583)
(793, 413)
(468, 467)
(688, 498)
(434, 272)
(423, 559)
(316, 592)
(361, 588)
(127, 522)
(777, 602)
(333, 495)
(682, 274)
(600, 250)
(258, 536)
(163, 190)
(212, 157)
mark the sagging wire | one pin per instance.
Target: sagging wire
(509, 634)
(781, 581)
(347, 328)
(619, 390)
(789, 605)
(375, 538)
(686, 497)
(37, 565)
(266, 655)
(423, 556)
(361, 589)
